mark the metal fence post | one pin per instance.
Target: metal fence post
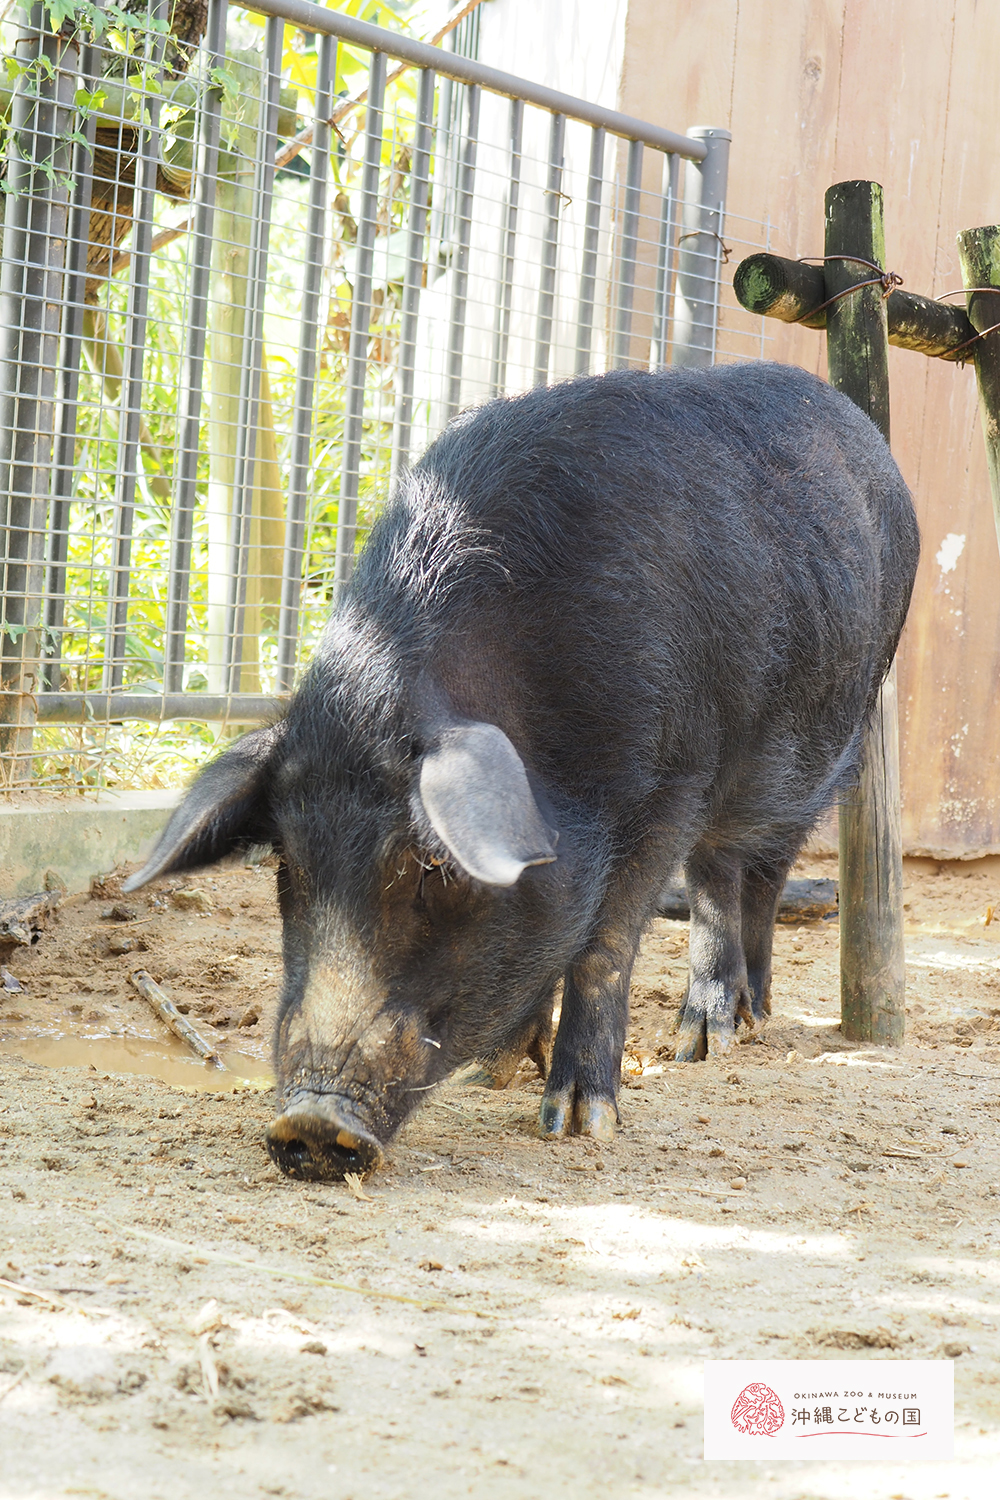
(699, 258)
(460, 263)
(190, 426)
(550, 250)
(665, 261)
(508, 242)
(71, 344)
(34, 250)
(130, 405)
(588, 260)
(420, 175)
(627, 258)
(253, 383)
(361, 313)
(305, 376)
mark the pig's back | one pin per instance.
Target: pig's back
(693, 574)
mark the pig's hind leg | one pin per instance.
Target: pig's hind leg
(718, 989)
(533, 1039)
(762, 887)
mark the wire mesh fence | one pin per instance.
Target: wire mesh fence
(251, 267)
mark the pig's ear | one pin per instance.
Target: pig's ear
(475, 794)
(224, 810)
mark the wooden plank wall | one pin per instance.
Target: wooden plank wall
(900, 91)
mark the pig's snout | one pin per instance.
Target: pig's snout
(317, 1138)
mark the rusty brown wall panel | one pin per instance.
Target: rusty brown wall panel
(902, 91)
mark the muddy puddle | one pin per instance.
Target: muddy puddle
(166, 1060)
(68, 1002)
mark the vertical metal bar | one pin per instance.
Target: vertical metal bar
(253, 342)
(448, 166)
(665, 264)
(443, 137)
(627, 258)
(305, 378)
(550, 251)
(35, 212)
(414, 274)
(189, 433)
(460, 283)
(130, 412)
(696, 305)
(64, 453)
(361, 311)
(591, 241)
(508, 245)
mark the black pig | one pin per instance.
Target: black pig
(603, 630)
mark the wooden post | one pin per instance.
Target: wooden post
(979, 253)
(872, 968)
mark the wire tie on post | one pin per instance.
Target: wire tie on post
(968, 291)
(887, 280)
(693, 234)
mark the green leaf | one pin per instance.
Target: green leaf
(61, 11)
(227, 81)
(87, 100)
(146, 82)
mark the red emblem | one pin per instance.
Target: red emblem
(757, 1411)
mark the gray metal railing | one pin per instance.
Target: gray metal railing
(198, 417)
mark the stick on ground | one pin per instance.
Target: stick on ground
(145, 985)
(22, 918)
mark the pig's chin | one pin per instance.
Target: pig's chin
(320, 1136)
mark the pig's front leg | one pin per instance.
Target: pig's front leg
(717, 989)
(581, 1090)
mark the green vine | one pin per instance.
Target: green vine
(127, 37)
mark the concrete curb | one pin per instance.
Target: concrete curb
(76, 839)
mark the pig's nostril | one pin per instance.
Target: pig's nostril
(294, 1158)
(310, 1145)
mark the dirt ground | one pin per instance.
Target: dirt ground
(490, 1315)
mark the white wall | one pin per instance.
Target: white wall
(574, 45)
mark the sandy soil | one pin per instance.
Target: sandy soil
(495, 1315)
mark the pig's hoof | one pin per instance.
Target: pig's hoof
(484, 1078)
(690, 1044)
(751, 1031)
(563, 1113)
(720, 1042)
(495, 1072)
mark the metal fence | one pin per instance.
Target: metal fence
(232, 310)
